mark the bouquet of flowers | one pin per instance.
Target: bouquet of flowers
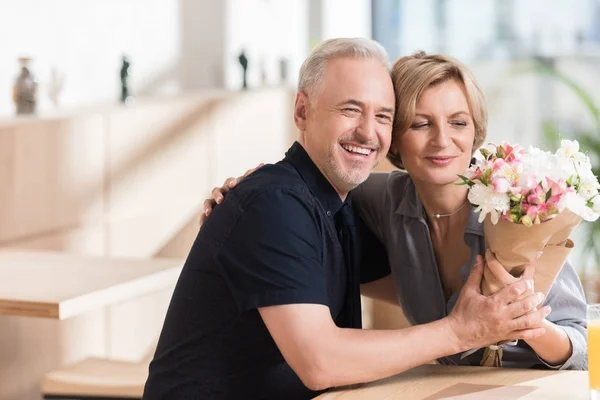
(530, 201)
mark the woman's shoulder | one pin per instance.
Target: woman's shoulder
(378, 197)
(384, 182)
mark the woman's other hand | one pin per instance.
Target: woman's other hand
(217, 194)
(496, 277)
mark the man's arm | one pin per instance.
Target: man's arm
(324, 355)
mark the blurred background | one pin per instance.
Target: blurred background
(134, 109)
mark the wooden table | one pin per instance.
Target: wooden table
(61, 285)
(433, 382)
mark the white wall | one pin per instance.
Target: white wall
(84, 41)
(417, 27)
(333, 18)
(203, 35)
(348, 18)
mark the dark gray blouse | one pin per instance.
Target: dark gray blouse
(390, 207)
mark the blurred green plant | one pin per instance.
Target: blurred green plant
(589, 139)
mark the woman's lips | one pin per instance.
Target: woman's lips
(441, 160)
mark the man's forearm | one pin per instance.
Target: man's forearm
(356, 355)
(554, 347)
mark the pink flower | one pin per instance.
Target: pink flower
(474, 173)
(498, 165)
(512, 153)
(557, 188)
(501, 185)
(536, 196)
(541, 213)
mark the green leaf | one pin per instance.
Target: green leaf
(485, 153)
(465, 181)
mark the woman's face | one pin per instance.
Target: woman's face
(438, 145)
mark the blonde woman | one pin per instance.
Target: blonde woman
(431, 234)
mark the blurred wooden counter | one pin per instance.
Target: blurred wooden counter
(61, 285)
(437, 382)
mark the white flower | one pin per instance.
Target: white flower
(589, 214)
(538, 164)
(588, 187)
(573, 202)
(488, 202)
(568, 148)
(572, 162)
(578, 205)
(596, 205)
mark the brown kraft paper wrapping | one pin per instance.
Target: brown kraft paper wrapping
(515, 245)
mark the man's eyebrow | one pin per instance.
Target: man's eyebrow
(386, 110)
(352, 102)
(359, 103)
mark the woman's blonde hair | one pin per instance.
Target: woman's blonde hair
(412, 75)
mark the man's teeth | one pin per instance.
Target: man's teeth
(354, 149)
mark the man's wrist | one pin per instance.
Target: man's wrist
(452, 331)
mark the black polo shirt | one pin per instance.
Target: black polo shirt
(272, 241)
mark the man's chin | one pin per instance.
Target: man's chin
(356, 178)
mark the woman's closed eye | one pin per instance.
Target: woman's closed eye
(459, 123)
(420, 125)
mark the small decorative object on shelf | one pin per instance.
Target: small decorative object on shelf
(283, 70)
(126, 98)
(263, 73)
(55, 86)
(25, 89)
(244, 63)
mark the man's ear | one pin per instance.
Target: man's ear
(300, 111)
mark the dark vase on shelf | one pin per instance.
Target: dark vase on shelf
(25, 89)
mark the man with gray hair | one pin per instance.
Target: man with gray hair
(268, 303)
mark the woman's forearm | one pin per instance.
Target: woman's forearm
(554, 347)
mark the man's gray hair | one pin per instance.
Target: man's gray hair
(313, 68)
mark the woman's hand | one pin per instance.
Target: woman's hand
(217, 194)
(497, 277)
(512, 313)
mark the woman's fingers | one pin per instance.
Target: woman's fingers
(497, 269)
(525, 305)
(531, 320)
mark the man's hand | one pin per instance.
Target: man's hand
(508, 314)
(218, 193)
(497, 277)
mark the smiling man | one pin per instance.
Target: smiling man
(268, 303)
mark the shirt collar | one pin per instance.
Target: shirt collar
(411, 206)
(316, 182)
